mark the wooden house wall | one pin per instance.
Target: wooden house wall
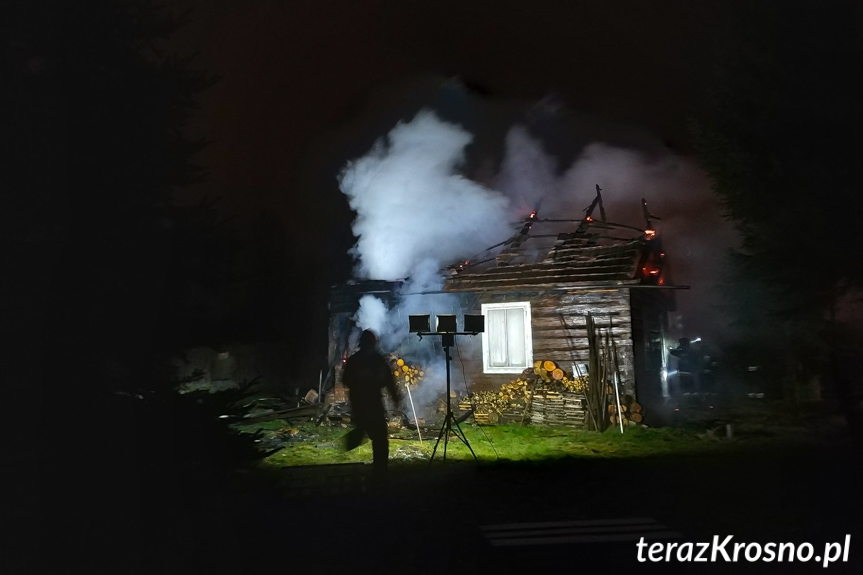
(559, 332)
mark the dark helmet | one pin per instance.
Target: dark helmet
(368, 340)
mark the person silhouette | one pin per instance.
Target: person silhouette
(688, 368)
(365, 374)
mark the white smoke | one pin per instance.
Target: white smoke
(528, 174)
(372, 314)
(693, 231)
(416, 214)
(413, 206)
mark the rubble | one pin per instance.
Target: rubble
(408, 453)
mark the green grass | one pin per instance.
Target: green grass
(697, 429)
(322, 445)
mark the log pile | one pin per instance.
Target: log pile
(406, 375)
(550, 376)
(544, 394)
(631, 412)
(557, 408)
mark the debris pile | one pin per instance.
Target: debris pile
(408, 453)
(280, 437)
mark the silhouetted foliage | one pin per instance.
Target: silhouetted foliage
(199, 440)
(111, 277)
(775, 135)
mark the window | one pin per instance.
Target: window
(506, 342)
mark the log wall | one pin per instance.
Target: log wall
(559, 332)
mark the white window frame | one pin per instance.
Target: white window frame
(528, 338)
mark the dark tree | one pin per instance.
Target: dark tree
(111, 278)
(776, 136)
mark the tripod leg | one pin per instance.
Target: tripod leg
(439, 436)
(460, 434)
(445, 437)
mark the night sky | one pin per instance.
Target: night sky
(306, 86)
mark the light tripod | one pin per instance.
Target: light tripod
(450, 423)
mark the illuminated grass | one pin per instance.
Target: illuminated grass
(323, 445)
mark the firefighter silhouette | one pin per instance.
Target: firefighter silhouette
(366, 374)
(688, 366)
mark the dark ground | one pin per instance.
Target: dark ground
(429, 520)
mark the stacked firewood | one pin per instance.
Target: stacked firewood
(630, 411)
(550, 376)
(545, 381)
(485, 402)
(556, 408)
(406, 375)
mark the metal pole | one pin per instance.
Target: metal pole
(448, 406)
(416, 421)
(614, 377)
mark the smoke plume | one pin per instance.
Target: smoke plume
(412, 204)
(528, 174)
(693, 231)
(415, 214)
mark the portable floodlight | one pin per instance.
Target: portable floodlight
(445, 323)
(446, 329)
(474, 323)
(419, 323)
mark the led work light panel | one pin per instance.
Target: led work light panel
(446, 323)
(474, 323)
(419, 323)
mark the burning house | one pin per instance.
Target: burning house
(569, 306)
(575, 310)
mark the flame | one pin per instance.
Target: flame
(588, 219)
(532, 214)
(649, 233)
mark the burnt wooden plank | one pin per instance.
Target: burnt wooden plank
(621, 334)
(548, 283)
(615, 315)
